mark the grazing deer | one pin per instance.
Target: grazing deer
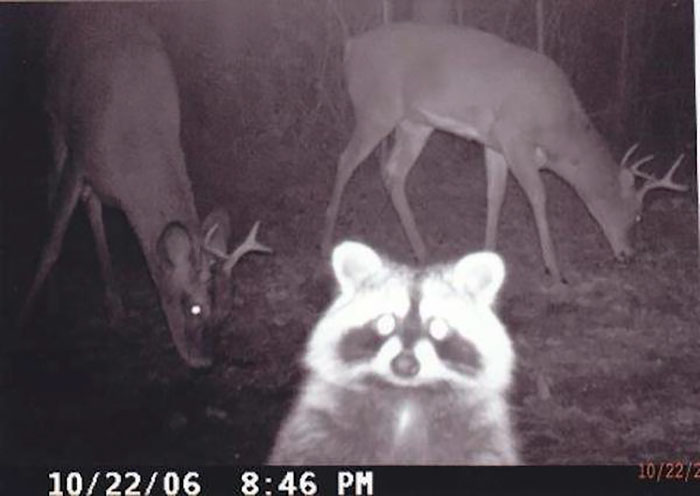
(412, 79)
(114, 114)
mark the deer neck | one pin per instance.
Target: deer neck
(590, 169)
(587, 165)
(171, 201)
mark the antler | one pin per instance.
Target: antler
(652, 182)
(634, 167)
(230, 259)
(666, 182)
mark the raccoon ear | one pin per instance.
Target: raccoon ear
(481, 275)
(353, 263)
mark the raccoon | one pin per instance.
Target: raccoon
(407, 366)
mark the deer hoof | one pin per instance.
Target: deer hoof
(559, 279)
(624, 258)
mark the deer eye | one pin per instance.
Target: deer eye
(638, 218)
(196, 310)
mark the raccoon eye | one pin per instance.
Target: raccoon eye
(438, 329)
(386, 325)
(195, 310)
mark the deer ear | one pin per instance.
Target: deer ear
(218, 220)
(479, 275)
(175, 245)
(353, 263)
(626, 179)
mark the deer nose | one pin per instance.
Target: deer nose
(625, 255)
(405, 364)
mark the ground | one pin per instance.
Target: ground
(607, 368)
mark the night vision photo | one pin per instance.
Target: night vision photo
(349, 232)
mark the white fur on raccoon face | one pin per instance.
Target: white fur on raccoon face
(412, 328)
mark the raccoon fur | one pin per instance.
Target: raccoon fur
(407, 366)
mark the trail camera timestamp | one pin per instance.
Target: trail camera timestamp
(289, 483)
(236, 482)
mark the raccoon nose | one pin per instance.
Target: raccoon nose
(405, 364)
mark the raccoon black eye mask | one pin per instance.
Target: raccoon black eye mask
(363, 343)
(406, 366)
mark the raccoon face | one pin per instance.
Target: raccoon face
(412, 328)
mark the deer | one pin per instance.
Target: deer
(410, 79)
(114, 121)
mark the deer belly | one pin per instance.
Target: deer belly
(472, 123)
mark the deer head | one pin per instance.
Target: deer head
(195, 282)
(633, 197)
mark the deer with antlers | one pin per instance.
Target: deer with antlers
(410, 79)
(115, 125)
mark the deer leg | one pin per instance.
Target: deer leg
(60, 155)
(496, 180)
(66, 199)
(524, 166)
(115, 308)
(59, 151)
(364, 139)
(409, 140)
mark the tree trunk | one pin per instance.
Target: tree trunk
(387, 11)
(539, 10)
(622, 72)
(432, 11)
